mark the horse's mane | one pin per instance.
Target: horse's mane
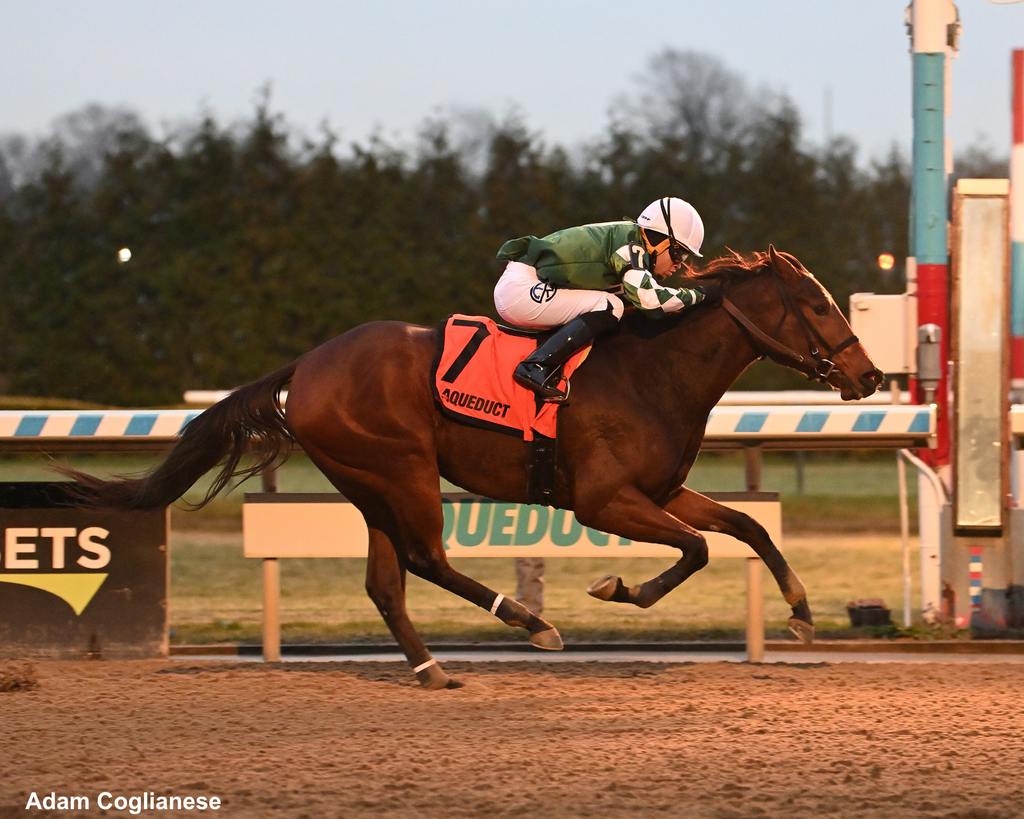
(732, 266)
(725, 270)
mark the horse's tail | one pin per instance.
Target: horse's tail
(249, 420)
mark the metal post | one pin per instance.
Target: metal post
(933, 503)
(901, 472)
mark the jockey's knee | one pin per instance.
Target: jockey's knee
(614, 305)
(604, 319)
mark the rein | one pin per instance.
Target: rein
(823, 364)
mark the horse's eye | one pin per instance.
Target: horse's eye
(821, 310)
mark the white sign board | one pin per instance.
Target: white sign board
(324, 525)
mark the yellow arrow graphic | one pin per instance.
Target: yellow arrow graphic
(77, 590)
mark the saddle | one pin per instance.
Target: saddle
(472, 384)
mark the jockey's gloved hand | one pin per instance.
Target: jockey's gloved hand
(712, 292)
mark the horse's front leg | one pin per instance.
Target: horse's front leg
(633, 515)
(703, 513)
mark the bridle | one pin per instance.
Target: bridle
(823, 364)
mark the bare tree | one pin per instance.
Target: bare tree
(693, 101)
(86, 136)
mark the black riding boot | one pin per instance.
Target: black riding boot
(539, 370)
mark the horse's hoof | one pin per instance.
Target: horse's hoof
(549, 639)
(434, 685)
(604, 588)
(434, 679)
(804, 631)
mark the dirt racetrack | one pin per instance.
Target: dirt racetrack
(525, 739)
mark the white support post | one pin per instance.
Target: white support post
(271, 589)
(755, 612)
(755, 604)
(271, 610)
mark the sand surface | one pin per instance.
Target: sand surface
(525, 739)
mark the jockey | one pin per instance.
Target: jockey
(572, 279)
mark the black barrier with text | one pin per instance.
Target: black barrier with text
(78, 582)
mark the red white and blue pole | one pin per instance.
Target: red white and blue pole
(927, 273)
(1017, 223)
(975, 571)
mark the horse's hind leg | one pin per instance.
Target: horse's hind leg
(418, 523)
(385, 575)
(406, 507)
(703, 513)
(385, 583)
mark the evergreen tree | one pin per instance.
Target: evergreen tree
(250, 246)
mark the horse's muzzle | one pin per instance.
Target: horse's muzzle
(871, 381)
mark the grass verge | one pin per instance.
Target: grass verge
(216, 594)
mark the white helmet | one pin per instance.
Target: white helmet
(676, 219)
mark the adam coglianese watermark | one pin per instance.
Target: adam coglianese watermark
(133, 804)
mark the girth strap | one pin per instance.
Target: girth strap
(540, 470)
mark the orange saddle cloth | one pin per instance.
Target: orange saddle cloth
(472, 378)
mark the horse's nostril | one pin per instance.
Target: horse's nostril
(872, 379)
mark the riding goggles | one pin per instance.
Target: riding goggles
(677, 251)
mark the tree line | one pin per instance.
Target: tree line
(251, 244)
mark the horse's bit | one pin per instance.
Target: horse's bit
(824, 365)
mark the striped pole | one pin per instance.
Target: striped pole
(975, 569)
(1017, 222)
(927, 276)
(928, 208)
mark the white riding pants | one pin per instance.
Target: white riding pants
(525, 301)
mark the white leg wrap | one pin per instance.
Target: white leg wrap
(497, 602)
(424, 666)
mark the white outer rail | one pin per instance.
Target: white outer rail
(204, 398)
(729, 427)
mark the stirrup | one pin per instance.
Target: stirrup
(563, 394)
(549, 393)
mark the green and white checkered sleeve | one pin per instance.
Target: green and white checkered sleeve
(643, 290)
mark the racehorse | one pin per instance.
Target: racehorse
(361, 407)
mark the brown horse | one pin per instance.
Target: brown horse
(361, 407)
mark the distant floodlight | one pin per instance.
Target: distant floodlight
(124, 255)
(886, 261)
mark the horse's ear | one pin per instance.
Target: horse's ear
(781, 264)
